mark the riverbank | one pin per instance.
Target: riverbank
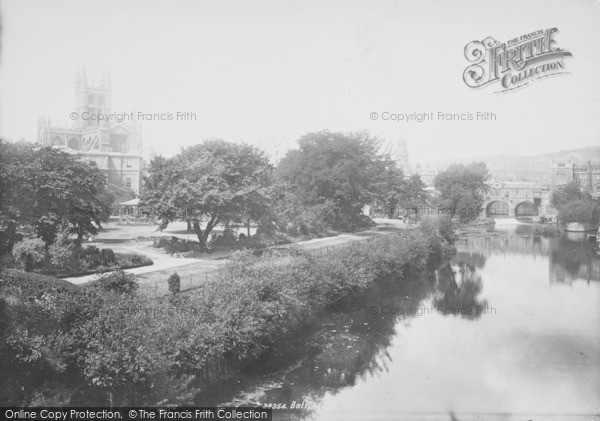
(141, 349)
(359, 355)
(195, 272)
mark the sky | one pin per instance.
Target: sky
(267, 72)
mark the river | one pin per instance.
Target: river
(508, 329)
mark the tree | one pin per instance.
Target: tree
(335, 170)
(48, 189)
(390, 190)
(210, 183)
(575, 206)
(461, 189)
(568, 193)
(414, 196)
(116, 194)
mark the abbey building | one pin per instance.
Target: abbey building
(115, 146)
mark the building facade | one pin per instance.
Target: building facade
(115, 146)
(587, 176)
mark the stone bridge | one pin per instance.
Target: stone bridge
(518, 199)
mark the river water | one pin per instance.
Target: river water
(508, 329)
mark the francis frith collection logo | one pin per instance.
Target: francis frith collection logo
(516, 62)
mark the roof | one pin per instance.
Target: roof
(132, 202)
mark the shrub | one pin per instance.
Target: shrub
(119, 282)
(89, 257)
(174, 282)
(229, 241)
(447, 228)
(439, 232)
(137, 348)
(174, 245)
(133, 260)
(547, 231)
(61, 252)
(582, 211)
(27, 284)
(29, 253)
(107, 257)
(226, 239)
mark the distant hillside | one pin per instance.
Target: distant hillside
(521, 168)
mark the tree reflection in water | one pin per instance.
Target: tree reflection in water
(348, 344)
(459, 297)
(574, 258)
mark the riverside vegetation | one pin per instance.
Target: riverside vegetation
(105, 344)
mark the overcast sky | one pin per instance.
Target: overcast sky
(265, 70)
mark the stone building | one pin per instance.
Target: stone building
(587, 176)
(113, 142)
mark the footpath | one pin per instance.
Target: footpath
(196, 271)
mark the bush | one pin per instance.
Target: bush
(229, 241)
(29, 253)
(174, 245)
(174, 282)
(107, 257)
(27, 284)
(131, 260)
(547, 231)
(581, 211)
(119, 282)
(61, 252)
(143, 350)
(441, 225)
(89, 257)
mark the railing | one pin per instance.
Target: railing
(188, 281)
(194, 280)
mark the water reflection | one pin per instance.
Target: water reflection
(539, 354)
(571, 256)
(459, 296)
(349, 345)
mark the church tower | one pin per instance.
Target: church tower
(114, 145)
(401, 154)
(395, 145)
(91, 100)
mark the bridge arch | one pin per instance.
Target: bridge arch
(526, 208)
(496, 207)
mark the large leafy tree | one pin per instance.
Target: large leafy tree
(338, 171)
(413, 198)
(46, 189)
(207, 184)
(461, 189)
(398, 195)
(575, 205)
(389, 190)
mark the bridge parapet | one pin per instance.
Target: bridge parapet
(511, 195)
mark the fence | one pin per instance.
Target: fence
(188, 281)
(194, 280)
